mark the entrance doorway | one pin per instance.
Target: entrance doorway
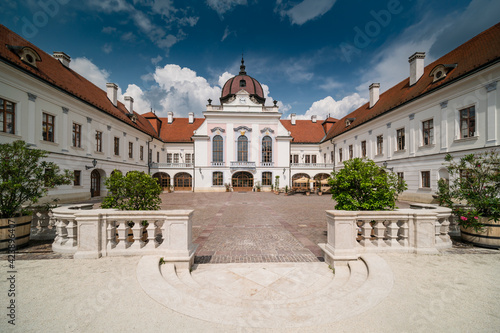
(183, 182)
(242, 181)
(95, 183)
(163, 179)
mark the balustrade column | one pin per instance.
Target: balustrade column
(137, 232)
(122, 230)
(392, 234)
(379, 234)
(404, 233)
(366, 234)
(71, 232)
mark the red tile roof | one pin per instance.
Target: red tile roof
(55, 73)
(180, 130)
(481, 51)
(305, 131)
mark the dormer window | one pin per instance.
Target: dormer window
(243, 83)
(439, 72)
(26, 54)
(349, 121)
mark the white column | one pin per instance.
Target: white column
(64, 129)
(491, 114)
(413, 143)
(31, 119)
(444, 126)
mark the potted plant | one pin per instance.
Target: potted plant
(257, 186)
(363, 185)
(272, 188)
(473, 193)
(286, 189)
(228, 186)
(25, 179)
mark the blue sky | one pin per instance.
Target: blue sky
(313, 56)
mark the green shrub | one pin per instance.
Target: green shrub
(363, 185)
(25, 178)
(135, 191)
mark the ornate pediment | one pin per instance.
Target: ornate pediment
(218, 129)
(242, 128)
(267, 130)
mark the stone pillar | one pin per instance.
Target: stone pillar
(89, 234)
(341, 243)
(177, 238)
(31, 120)
(491, 115)
(425, 231)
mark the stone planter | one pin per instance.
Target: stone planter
(489, 236)
(18, 230)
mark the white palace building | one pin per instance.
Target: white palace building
(448, 106)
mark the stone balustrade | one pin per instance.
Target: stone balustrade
(352, 233)
(109, 232)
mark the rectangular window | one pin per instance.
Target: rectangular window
(141, 153)
(324, 158)
(188, 158)
(331, 157)
(380, 145)
(157, 157)
(267, 178)
(313, 159)
(467, 122)
(400, 134)
(351, 152)
(48, 124)
(340, 154)
(117, 146)
(295, 158)
(428, 132)
(7, 116)
(307, 159)
(98, 141)
(363, 148)
(169, 158)
(130, 150)
(77, 135)
(192, 158)
(77, 174)
(176, 158)
(150, 155)
(426, 179)
(401, 177)
(217, 178)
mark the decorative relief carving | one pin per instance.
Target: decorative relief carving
(218, 129)
(267, 130)
(240, 128)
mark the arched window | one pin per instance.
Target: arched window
(267, 149)
(242, 149)
(217, 149)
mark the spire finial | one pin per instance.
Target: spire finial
(242, 67)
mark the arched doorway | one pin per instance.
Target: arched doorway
(183, 182)
(300, 183)
(95, 183)
(163, 179)
(319, 180)
(242, 181)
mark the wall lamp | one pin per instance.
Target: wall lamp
(284, 169)
(94, 163)
(385, 166)
(199, 170)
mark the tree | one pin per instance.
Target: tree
(135, 191)
(25, 177)
(363, 185)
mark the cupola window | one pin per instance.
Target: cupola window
(243, 83)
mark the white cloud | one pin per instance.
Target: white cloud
(107, 48)
(227, 33)
(157, 59)
(90, 71)
(304, 11)
(185, 91)
(336, 109)
(108, 30)
(141, 105)
(223, 6)
(223, 78)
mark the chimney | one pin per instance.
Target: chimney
(191, 117)
(129, 104)
(170, 117)
(112, 92)
(313, 118)
(416, 66)
(374, 93)
(62, 57)
(294, 117)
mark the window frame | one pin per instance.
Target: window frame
(130, 150)
(363, 148)
(400, 139)
(77, 177)
(351, 152)
(77, 135)
(4, 113)
(427, 132)
(116, 146)
(264, 178)
(267, 149)
(242, 148)
(98, 141)
(48, 127)
(380, 144)
(141, 153)
(469, 119)
(425, 179)
(218, 149)
(340, 154)
(217, 178)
